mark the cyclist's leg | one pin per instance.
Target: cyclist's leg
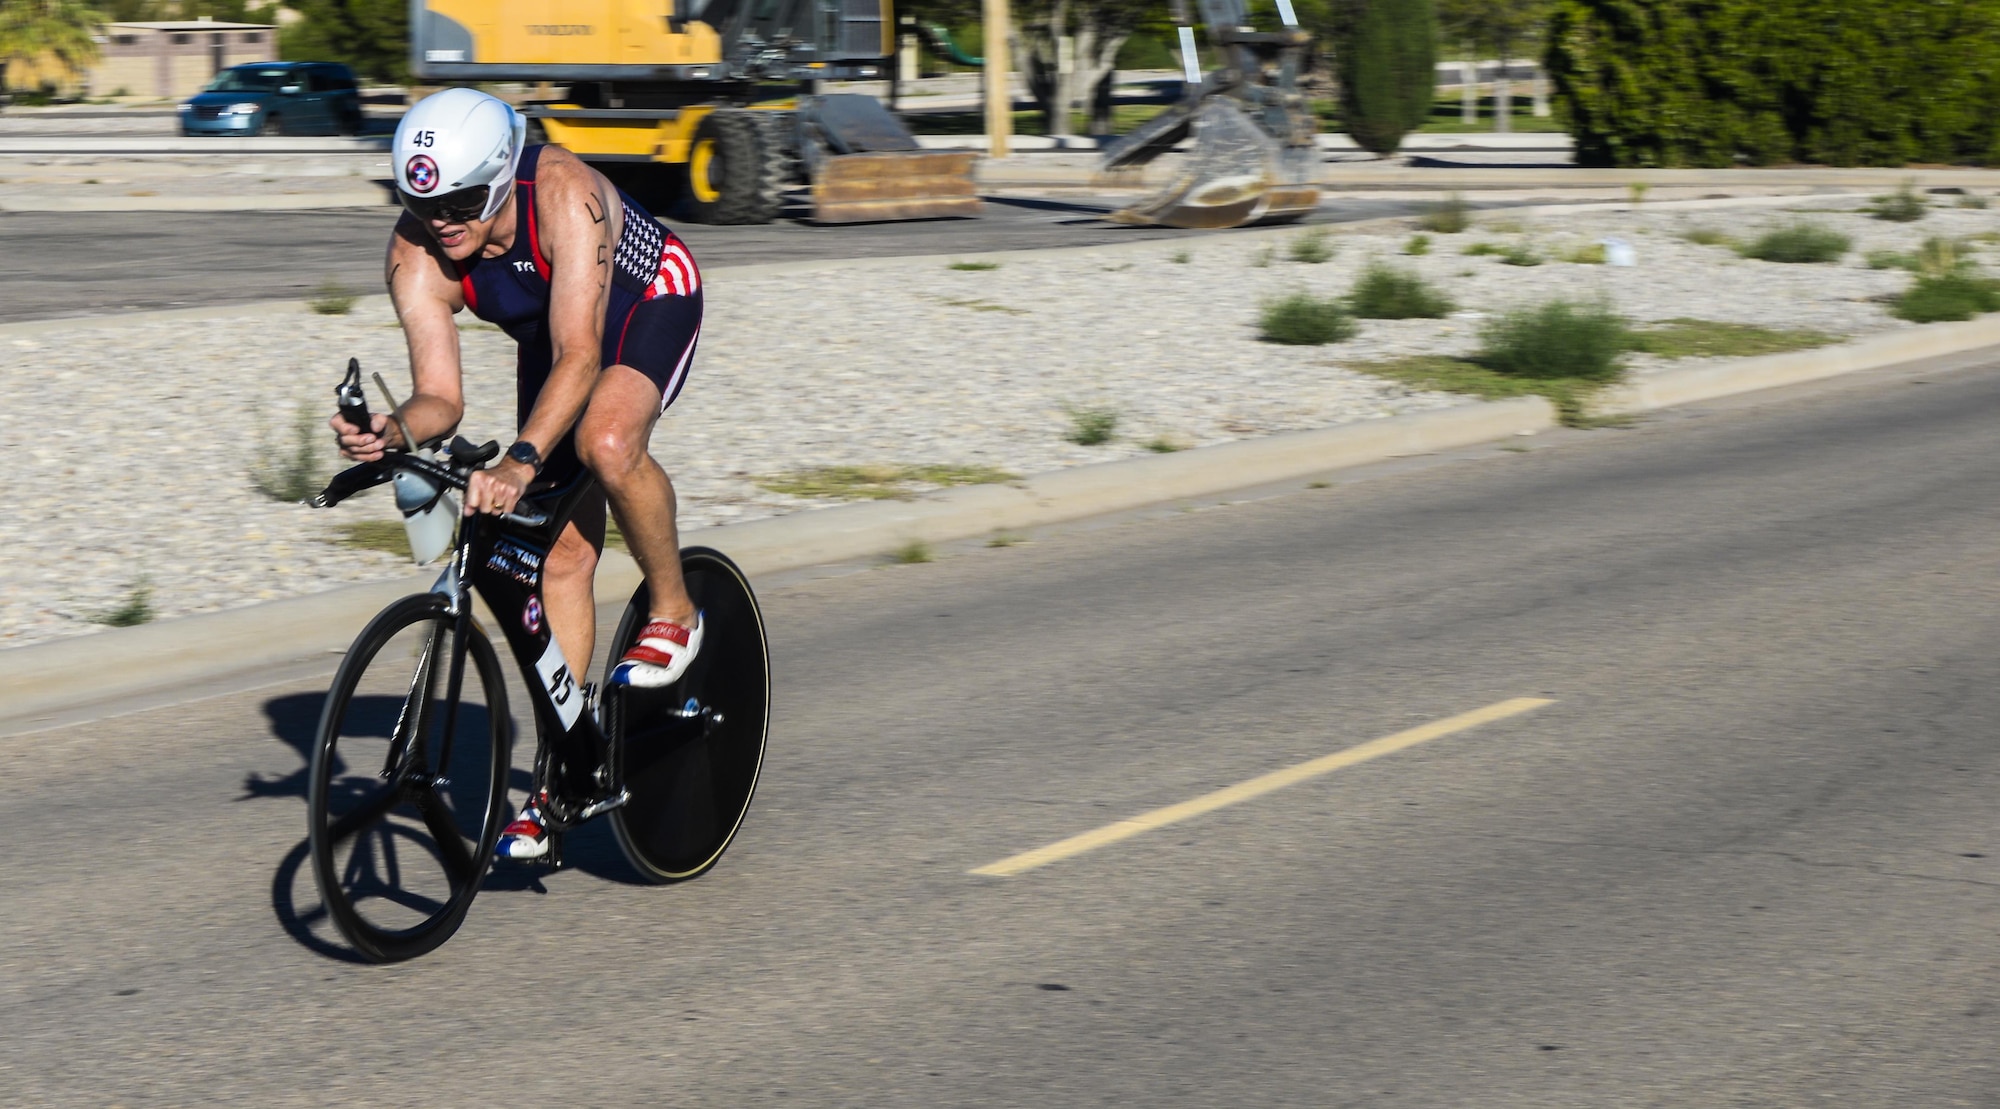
(567, 575)
(612, 440)
(646, 362)
(572, 563)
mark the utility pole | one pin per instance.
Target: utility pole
(999, 97)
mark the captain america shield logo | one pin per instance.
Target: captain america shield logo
(422, 173)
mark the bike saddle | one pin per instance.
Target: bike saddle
(463, 453)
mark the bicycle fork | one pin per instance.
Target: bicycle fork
(406, 747)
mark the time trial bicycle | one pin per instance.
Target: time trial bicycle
(411, 761)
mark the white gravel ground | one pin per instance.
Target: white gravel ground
(133, 445)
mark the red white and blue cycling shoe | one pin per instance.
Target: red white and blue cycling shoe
(661, 655)
(528, 836)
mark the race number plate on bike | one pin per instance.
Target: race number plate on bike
(561, 684)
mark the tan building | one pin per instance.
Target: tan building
(175, 58)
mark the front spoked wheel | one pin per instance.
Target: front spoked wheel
(407, 796)
(689, 754)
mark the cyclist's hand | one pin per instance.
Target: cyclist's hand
(356, 446)
(497, 490)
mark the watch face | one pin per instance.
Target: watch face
(525, 454)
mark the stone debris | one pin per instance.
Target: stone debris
(134, 447)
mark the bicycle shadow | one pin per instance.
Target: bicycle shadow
(294, 721)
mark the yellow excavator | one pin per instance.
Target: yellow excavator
(688, 83)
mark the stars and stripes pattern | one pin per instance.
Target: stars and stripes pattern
(678, 275)
(638, 252)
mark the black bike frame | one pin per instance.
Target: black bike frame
(502, 558)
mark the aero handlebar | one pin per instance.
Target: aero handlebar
(463, 457)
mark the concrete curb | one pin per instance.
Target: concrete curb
(873, 528)
(48, 677)
(1692, 384)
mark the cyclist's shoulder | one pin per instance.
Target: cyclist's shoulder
(552, 165)
(413, 254)
(567, 185)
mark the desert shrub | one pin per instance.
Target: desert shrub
(331, 299)
(291, 470)
(1940, 256)
(1558, 339)
(1800, 242)
(1901, 206)
(1951, 296)
(1090, 427)
(1302, 319)
(1392, 293)
(1447, 217)
(1311, 247)
(1709, 236)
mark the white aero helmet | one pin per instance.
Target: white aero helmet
(455, 154)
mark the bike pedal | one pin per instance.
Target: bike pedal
(606, 805)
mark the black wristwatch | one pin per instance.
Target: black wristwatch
(525, 453)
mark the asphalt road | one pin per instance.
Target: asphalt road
(99, 263)
(1747, 857)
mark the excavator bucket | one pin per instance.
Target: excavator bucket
(866, 166)
(1236, 175)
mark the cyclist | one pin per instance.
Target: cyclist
(605, 305)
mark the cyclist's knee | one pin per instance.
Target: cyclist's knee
(610, 450)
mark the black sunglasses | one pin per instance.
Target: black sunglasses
(462, 206)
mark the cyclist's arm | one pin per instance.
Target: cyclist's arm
(578, 226)
(424, 287)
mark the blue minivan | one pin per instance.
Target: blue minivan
(286, 98)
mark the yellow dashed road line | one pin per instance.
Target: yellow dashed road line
(1256, 787)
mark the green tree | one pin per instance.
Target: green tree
(1084, 71)
(373, 36)
(1729, 82)
(1386, 56)
(44, 33)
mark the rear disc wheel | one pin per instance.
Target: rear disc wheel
(689, 754)
(399, 856)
